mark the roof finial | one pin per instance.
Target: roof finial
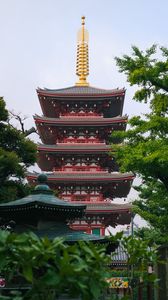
(82, 65)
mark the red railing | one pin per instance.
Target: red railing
(80, 169)
(72, 140)
(81, 114)
(87, 198)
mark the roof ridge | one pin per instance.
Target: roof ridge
(82, 87)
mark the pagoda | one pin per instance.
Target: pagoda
(75, 131)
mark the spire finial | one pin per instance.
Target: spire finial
(82, 65)
(83, 20)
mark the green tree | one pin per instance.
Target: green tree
(16, 154)
(151, 237)
(145, 147)
(49, 268)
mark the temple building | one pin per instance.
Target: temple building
(46, 215)
(75, 130)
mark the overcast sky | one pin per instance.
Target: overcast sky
(38, 45)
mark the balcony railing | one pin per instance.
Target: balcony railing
(87, 169)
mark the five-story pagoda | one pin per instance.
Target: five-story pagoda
(75, 129)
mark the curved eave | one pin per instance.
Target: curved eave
(109, 210)
(79, 121)
(105, 211)
(114, 185)
(42, 202)
(51, 104)
(85, 177)
(42, 206)
(102, 94)
(69, 149)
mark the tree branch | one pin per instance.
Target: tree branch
(30, 131)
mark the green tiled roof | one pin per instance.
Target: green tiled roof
(42, 198)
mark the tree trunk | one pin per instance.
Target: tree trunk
(162, 274)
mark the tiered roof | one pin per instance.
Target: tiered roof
(73, 148)
(118, 183)
(50, 98)
(80, 121)
(82, 91)
(115, 176)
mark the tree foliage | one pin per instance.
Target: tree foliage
(51, 268)
(139, 253)
(150, 74)
(16, 154)
(152, 237)
(145, 147)
(46, 269)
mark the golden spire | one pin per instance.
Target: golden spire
(82, 64)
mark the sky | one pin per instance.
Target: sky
(38, 45)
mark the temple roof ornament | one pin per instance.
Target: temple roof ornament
(82, 64)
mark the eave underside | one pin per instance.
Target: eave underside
(109, 105)
(50, 160)
(113, 185)
(107, 213)
(49, 132)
